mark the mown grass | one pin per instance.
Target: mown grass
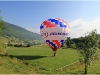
(40, 59)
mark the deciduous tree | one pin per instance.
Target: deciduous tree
(89, 48)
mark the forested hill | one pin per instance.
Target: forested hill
(19, 32)
(14, 34)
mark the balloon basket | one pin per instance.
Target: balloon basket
(55, 54)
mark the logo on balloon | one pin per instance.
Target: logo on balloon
(44, 34)
(58, 33)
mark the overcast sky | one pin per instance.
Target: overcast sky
(82, 16)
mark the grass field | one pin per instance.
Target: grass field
(40, 59)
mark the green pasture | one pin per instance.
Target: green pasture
(40, 60)
(42, 57)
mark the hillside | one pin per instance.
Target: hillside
(13, 32)
(18, 32)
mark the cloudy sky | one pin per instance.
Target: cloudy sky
(82, 16)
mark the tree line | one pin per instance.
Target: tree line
(76, 43)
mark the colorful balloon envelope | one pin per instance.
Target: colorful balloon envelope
(54, 31)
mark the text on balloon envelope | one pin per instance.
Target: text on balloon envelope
(58, 33)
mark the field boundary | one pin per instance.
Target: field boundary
(66, 66)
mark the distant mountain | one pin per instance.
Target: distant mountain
(20, 33)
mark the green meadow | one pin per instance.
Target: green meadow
(40, 60)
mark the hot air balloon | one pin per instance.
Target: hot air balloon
(54, 31)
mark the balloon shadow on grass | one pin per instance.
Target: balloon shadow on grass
(24, 57)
